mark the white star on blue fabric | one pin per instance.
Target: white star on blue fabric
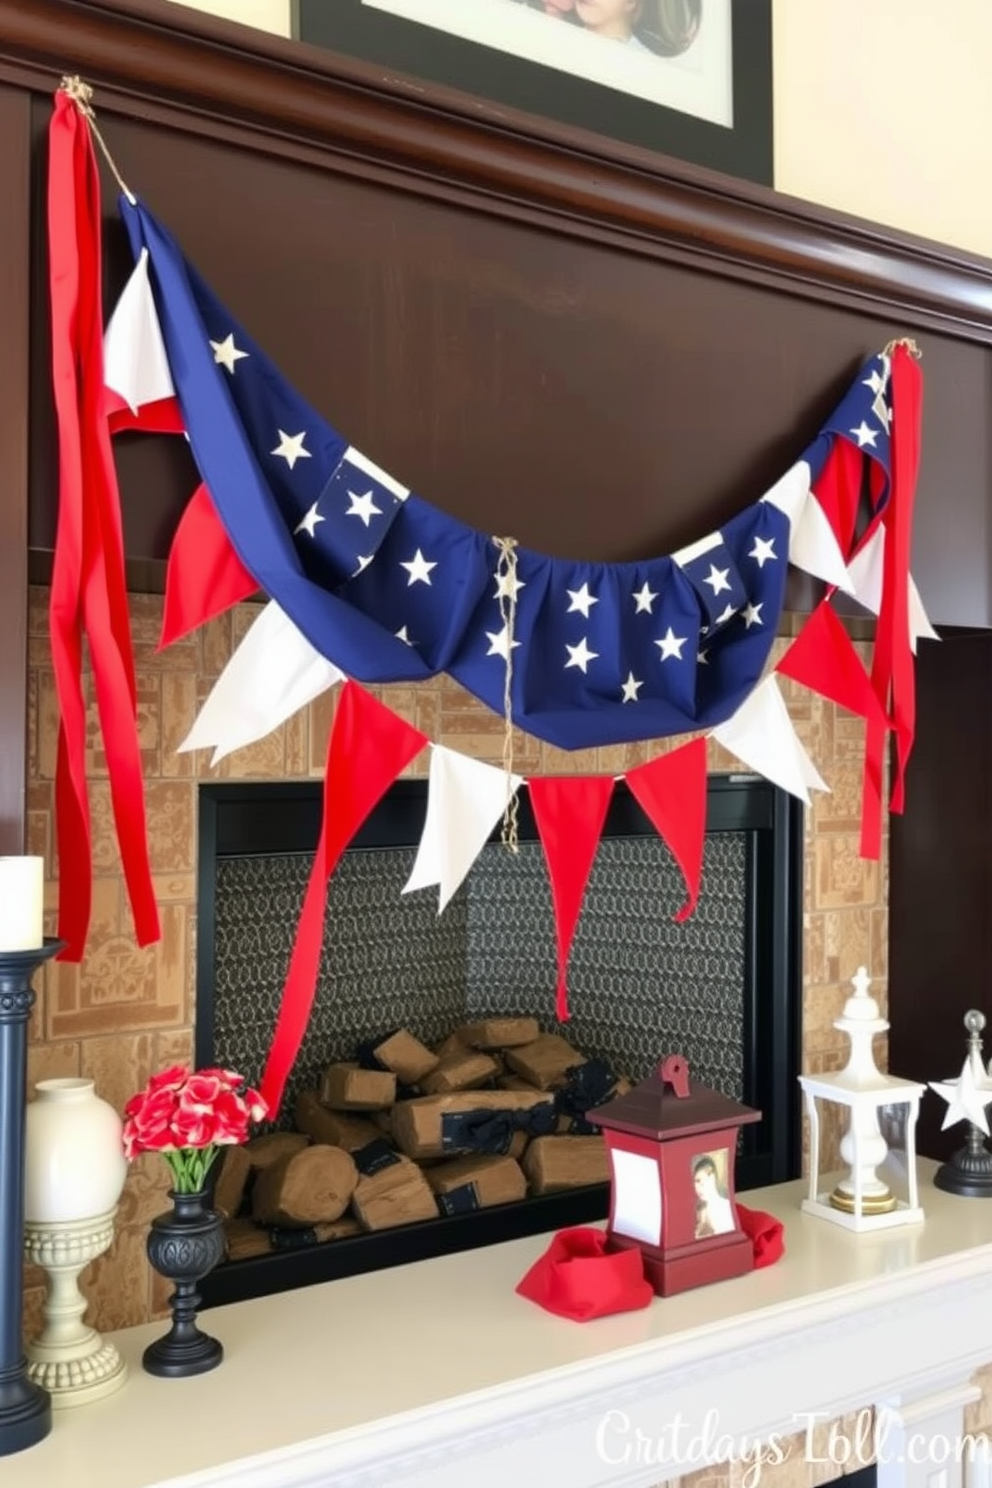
(876, 381)
(671, 645)
(752, 615)
(290, 448)
(363, 564)
(499, 643)
(310, 521)
(401, 635)
(865, 435)
(717, 579)
(226, 353)
(580, 655)
(581, 600)
(644, 598)
(725, 615)
(363, 506)
(631, 688)
(418, 568)
(763, 551)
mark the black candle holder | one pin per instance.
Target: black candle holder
(969, 1171)
(25, 1408)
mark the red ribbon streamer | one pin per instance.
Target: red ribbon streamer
(570, 812)
(671, 791)
(89, 592)
(369, 746)
(893, 679)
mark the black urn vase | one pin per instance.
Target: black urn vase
(184, 1245)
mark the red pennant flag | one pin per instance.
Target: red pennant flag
(569, 811)
(369, 746)
(89, 594)
(838, 490)
(671, 790)
(823, 658)
(161, 417)
(204, 576)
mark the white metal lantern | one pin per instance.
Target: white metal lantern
(862, 1200)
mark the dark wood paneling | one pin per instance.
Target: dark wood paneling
(940, 889)
(586, 400)
(14, 258)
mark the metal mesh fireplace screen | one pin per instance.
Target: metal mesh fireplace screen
(640, 985)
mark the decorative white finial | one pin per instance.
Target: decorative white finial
(861, 1014)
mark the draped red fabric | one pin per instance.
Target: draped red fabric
(577, 1277)
(368, 747)
(823, 658)
(671, 790)
(570, 812)
(204, 576)
(580, 1278)
(89, 595)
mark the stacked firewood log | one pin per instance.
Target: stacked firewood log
(403, 1133)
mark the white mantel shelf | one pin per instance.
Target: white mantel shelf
(436, 1375)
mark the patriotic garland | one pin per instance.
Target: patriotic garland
(369, 583)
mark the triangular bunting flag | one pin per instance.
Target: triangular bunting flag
(136, 366)
(813, 546)
(466, 798)
(867, 569)
(671, 790)
(823, 658)
(273, 674)
(204, 576)
(569, 811)
(762, 737)
(368, 747)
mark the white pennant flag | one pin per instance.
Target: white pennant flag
(761, 735)
(465, 800)
(867, 570)
(812, 544)
(272, 675)
(135, 364)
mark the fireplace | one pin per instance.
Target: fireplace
(724, 988)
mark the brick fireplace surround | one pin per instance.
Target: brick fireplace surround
(125, 1012)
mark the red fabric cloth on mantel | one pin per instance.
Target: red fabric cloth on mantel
(578, 1278)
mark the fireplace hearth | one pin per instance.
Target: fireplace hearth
(724, 988)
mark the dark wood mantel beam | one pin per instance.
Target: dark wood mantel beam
(173, 65)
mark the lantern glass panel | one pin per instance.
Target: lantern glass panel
(636, 1197)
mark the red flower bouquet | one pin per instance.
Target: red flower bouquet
(188, 1116)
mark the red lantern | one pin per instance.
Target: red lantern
(672, 1146)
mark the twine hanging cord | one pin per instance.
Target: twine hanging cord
(82, 94)
(506, 592)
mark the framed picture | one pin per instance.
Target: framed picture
(689, 78)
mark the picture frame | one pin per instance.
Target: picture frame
(410, 36)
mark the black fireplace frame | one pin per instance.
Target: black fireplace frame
(273, 818)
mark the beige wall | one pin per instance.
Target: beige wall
(883, 108)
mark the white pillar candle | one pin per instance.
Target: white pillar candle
(22, 893)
